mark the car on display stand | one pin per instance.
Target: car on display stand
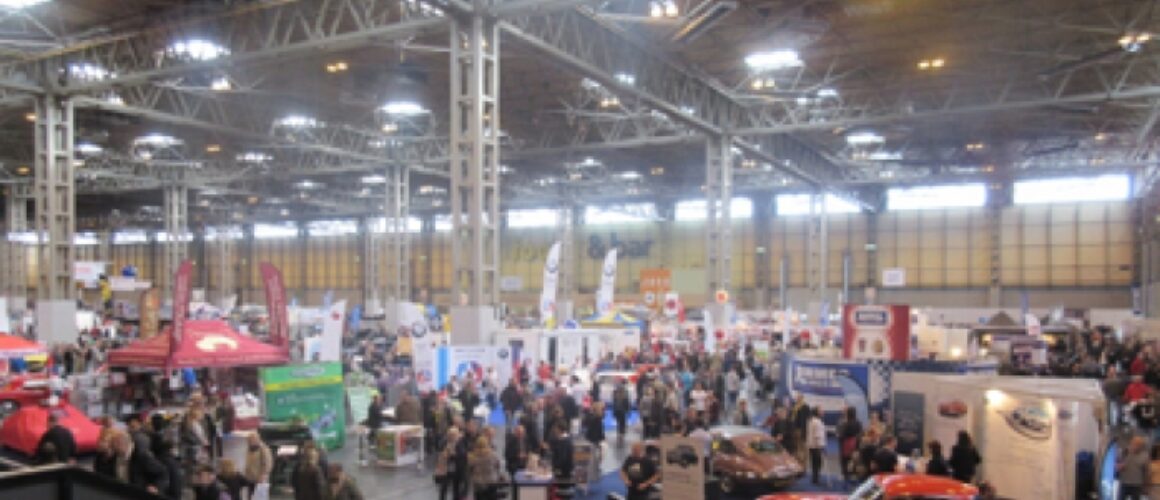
(895, 487)
(748, 457)
(23, 391)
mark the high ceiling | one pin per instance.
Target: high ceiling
(938, 91)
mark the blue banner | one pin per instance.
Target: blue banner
(832, 385)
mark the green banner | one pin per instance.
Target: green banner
(313, 394)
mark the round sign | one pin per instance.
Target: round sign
(502, 353)
(650, 298)
(419, 329)
(722, 296)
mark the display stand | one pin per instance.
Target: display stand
(400, 445)
(532, 486)
(586, 458)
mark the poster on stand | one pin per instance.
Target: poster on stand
(1021, 447)
(423, 361)
(360, 401)
(313, 394)
(761, 350)
(908, 421)
(949, 414)
(331, 341)
(463, 362)
(835, 385)
(683, 468)
(398, 445)
(876, 332)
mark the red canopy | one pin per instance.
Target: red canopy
(22, 430)
(203, 344)
(11, 346)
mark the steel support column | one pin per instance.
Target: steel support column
(55, 219)
(718, 226)
(175, 248)
(372, 282)
(763, 262)
(397, 207)
(817, 250)
(566, 235)
(224, 246)
(475, 195)
(15, 269)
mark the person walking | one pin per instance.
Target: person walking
(515, 451)
(1134, 469)
(849, 435)
(57, 445)
(937, 465)
(965, 458)
(621, 406)
(259, 461)
(447, 474)
(816, 441)
(512, 402)
(486, 472)
(342, 486)
(308, 480)
(799, 415)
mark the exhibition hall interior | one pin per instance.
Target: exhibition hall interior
(577, 249)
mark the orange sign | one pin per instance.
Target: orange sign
(654, 283)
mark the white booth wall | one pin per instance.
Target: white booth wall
(1019, 462)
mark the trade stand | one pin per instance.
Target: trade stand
(1038, 437)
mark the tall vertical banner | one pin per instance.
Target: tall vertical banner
(182, 289)
(876, 332)
(276, 304)
(311, 394)
(607, 283)
(331, 342)
(655, 284)
(150, 313)
(551, 278)
(423, 362)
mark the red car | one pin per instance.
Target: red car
(22, 430)
(23, 391)
(894, 487)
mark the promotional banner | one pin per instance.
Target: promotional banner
(463, 362)
(331, 341)
(682, 466)
(672, 304)
(312, 394)
(182, 288)
(876, 332)
(149, 313)
(908, 421)
(551, 277)
(654, 284)
(1032, 323)
(423, 361)
(949, 414)
(275, 304)
(1021, 448)
(607, 283)
(836, 385)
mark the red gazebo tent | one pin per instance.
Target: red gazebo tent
(12, 346)
(203, 344)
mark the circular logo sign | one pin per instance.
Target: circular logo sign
(502, 353)
(419, 329)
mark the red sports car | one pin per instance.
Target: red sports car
(894, 487)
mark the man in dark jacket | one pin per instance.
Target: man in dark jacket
(532, 427)
(563, 465)
(886, 459)
(63, 445)
(512, 402)
(621, 405)
(593, 425)
(516, 450)
(173, 468)
(375, 415)
(470, 400)
(138, 467)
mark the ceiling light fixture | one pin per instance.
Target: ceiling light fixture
(374, 179)
(337, 67)
(213, 148)
(253, 200)
(403, 108)
(31, 117)
(827, 93)
(157, 140)
(625, 78)
(657, 171)
(88, 72)
(630, 175)
(864, 139)
(197, 49)
(253, 157)
(20, 4)
(1133, 42)
(1100, 137)
(773, 60)
(23, 170)
(928, 64)
(220, 84)
(87, 148)
(307, 184)
(297, 121)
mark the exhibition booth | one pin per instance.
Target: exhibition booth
(1039, 437)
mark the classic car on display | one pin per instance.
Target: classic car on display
(895, 487)
(748, 457)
